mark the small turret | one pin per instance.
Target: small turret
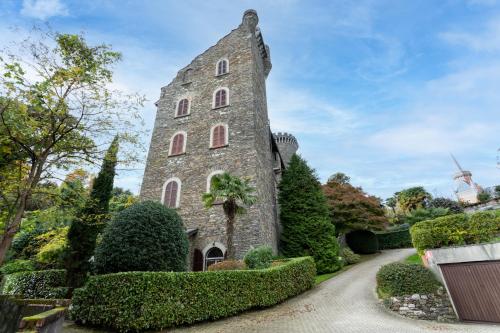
(287, 145)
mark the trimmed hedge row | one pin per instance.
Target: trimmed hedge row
(134, 301)
(394, 239)
(399, 279)
(457, 229)
(36, 284)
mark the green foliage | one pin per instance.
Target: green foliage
(394, 239)
(144, 237)
(259, 258)
(497, 191)
(227, 265)
(457, 229)
(49, 120)
(90, 221)
(50, 254)
(483, 196)
(362, 241)
(349, 256)
(138, 301)
(399, 279)
(36, 284)
(412, 198)
(453, 206)
(120, 200)
(423, 214)
(307, 229)
(339, 178)
(19, 265)
(351, 208)
(235, 194)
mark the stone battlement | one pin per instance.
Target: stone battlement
(283, 137)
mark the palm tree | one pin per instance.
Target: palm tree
(234, 193)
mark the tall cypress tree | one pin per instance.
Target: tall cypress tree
(90, 221)
(306, 226)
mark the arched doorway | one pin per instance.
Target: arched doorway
(213, 256)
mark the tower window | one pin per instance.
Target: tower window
(171, 193)
(182, 107)
(219, 136)
(222, 67)
(178, 144)
(220, 98)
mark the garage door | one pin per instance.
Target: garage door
(475, 289)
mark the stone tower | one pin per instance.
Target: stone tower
(213, 118)
(287, 145)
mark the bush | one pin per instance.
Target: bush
(136, 301)
(18, 265)
(52, 246)
(144, 237)
(259, 258)
(36, 284)
(424, 214)
(349, 256)
(394, 239)
(483, 196)
(452, 205)
(227, 265)
(398, 279)
(457, 229)
(362, 241)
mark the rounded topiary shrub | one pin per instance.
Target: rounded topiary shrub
(362, 241)
(398, 279)
(349, 256)
(259, 258)
(146, 236)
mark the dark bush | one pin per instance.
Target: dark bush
(362, 241)
(394, 239)
(259, 258)
(457, 229)
(136, 301)
(227, 265)
(349, 256)
(146, 236)
(36, 284)
(398, 279)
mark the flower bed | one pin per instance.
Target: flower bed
(157, 300)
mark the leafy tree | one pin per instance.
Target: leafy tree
(305, 220)
(424, 214)
(483, 196)
(234, 193)
(50, 117)
(121, 199)
(452, 205)
(497, 191)
(412, 198)
(351, 208)
(90, 220)
(391, 202)
(340, 178)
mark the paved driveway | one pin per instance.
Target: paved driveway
(346, 303)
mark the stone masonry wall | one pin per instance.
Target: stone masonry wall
(427, 306)
(248, 153)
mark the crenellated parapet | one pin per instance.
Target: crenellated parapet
(287, 145)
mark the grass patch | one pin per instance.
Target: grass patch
(414, 259)
(323, 277)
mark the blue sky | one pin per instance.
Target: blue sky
(380, 90)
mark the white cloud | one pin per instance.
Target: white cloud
(43, 9)
(487, 39)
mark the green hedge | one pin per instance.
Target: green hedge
(394, 239)
(362, 241)
(36, 284)
(133, 301)
(398, 279)
(457, 229)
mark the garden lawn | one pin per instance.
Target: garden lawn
(414, 259)
(323, 277)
